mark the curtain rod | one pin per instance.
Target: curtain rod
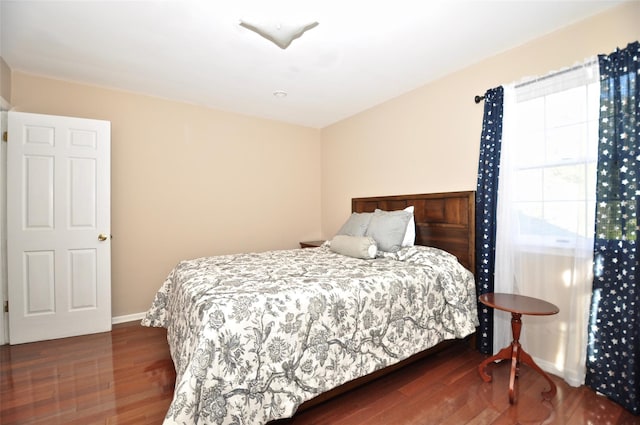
(479, 99)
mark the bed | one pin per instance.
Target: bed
(255, 336)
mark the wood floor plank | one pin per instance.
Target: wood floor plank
(126, 376)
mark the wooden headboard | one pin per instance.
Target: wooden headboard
(443, 220)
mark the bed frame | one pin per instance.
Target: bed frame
(443, 220)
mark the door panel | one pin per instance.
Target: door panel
(82, 193)
(58, 198)
(39, 283)
(83, 272)
(38, 190)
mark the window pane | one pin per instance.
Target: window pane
(531, 115)
(529, 185)
(555, 223)
(529, 218)
(565, 220)
(593, 101)
(567, 143)
(530, 149)
(564, 183)
(566, 107)
(592, 139)
(590, 184)
(531, 132)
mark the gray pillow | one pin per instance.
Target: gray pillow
(356, 224)
(354, 246)
(388, 229)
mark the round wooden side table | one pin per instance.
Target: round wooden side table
(517, 305)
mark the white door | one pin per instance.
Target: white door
(58, 226)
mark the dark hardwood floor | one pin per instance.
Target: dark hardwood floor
(126, 377)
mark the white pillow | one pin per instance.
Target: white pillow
(354, 246)
(410, 235)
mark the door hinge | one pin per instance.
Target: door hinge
(5, 136)
(6, 306)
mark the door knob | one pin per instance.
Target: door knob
(102, 237)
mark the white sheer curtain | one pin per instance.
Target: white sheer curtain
(546, 207)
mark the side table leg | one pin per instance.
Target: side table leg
(513, 374)
(516, 327)
(503, 354)
(526, 359)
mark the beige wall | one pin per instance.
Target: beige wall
(5, 80)
(428, 139)
(189, 181)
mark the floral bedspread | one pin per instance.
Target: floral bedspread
(252, 336)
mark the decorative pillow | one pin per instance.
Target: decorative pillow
(356, 224)
(388, 229)
(354, 246)
(410, 234)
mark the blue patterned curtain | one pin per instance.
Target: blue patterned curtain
(486, 204)
(613, 353)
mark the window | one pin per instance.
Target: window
(546, 211)
(554, 164)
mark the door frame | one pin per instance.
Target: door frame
(4, 285)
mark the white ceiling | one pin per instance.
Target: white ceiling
(362, 53)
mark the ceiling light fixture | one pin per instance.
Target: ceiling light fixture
(280, 94)
(280, 34)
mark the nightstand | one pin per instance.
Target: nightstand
(517, 305)
(311, 244)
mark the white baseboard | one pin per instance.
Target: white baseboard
(136, 317)
(570, 377)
